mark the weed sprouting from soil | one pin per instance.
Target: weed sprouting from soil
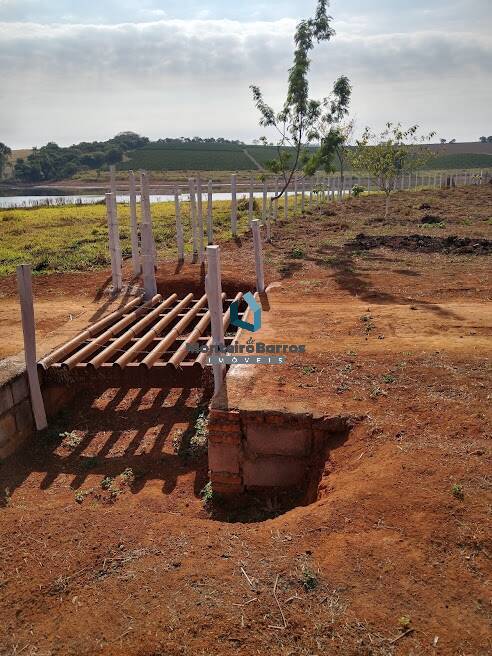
(71, 439)
(297, 253)
(192, 443)
(309, 580)
(457, 491)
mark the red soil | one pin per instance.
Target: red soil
(151, 572)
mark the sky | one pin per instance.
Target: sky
(88, 69)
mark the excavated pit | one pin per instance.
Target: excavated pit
(265, 463)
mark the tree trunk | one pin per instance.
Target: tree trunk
(387, 206)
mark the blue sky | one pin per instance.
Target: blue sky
(74, 70)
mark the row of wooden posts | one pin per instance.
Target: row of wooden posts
(142, 238)
(303, 192)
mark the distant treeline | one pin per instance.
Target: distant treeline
(53, 162)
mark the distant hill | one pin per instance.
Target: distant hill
(131, 151)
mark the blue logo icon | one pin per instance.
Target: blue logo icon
(255, 309)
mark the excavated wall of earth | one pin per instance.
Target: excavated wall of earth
(250, 450)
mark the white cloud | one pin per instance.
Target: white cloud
(163, 77)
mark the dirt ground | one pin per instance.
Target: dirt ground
(395, 555)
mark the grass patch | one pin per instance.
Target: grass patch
(75, 237)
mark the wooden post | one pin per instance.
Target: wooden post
(146, 211)
(213, 288)
(148, 268)
(275, 205)
(199, 194)
(234, 205)
(134, 226)
(303, 195)
(265, 202)
(210, 227)
(114, 238)
(251, 201)
(24, 285)
(260, 276)
(112, 179)
(191, 185)
(179, 226)
(296, 194)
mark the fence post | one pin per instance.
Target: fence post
(260, 275)
(191, 185)
(265, 201)
(146, 212)
(275, 205)
(179, 226)
(286, 204)
(234, 205)
(112, 179)
(296, 195)
(210, 227)
(134, 226)
(213, 288)
(251, 201)
(303, 195)
(148, 269)
(24, 285)
(114, 238)
(199, 196)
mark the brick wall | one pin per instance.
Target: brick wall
(251, 450)
(16, 418)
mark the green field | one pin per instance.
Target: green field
(231, 157)
(461, 161)
(188, 157)
(75, 237)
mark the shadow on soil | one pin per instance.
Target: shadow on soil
(341, 259)
(148, 430)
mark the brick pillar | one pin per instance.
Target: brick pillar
(224, 451)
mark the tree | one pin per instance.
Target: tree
(298, 122)
(5, 153)
(391, 154)
(443, 141)
(489, 139)
(483, 139)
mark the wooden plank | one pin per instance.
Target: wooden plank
(24, 284)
